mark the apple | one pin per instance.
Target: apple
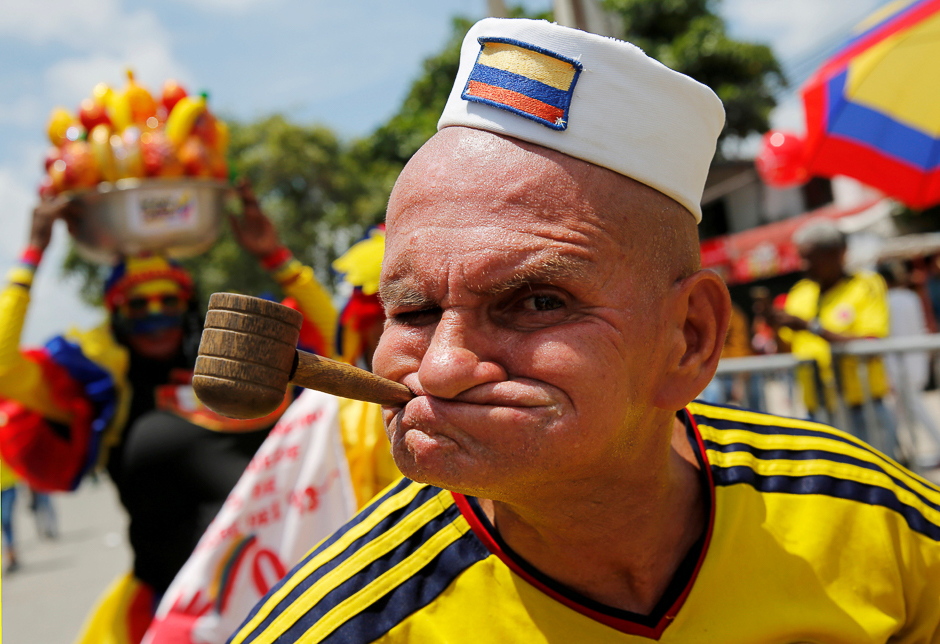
(81, 170)
(172, 93)
(53, 154)
(92, 113)
(194, 156)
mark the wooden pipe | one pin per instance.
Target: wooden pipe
(248, 355)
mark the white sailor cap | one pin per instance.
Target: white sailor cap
(591, 97)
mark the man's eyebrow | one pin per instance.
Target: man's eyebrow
(405, 292)
(401, 292)
(540, 270)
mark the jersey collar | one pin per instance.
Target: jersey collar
(650, 626)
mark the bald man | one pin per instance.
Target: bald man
(546, 306)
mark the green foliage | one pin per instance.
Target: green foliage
(689, 37)
(309, 185)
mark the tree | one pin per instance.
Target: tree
(689, 37)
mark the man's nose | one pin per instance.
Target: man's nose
(455, 360)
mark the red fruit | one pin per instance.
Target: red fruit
(218, 166)
(158, 155)
(92, 113)
(172, 93)
(81, 171)
(194, 156)
(52, 155)
(206, 130)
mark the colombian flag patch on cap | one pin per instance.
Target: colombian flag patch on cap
(522, 78)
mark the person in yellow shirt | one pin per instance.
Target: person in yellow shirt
(831, 306)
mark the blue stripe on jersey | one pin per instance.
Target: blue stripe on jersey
(414, 594)
(770, 430)
(365, 512)
(830, 486)
(369, 574)
(422, 497)
(812, 455)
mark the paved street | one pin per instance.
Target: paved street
(46, 601)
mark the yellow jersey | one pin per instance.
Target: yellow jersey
(813, 537)
(856, 306)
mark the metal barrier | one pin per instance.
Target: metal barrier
(907, 403)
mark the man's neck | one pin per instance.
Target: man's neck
(830, 283)
(620, 547)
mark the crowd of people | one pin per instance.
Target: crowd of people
(831, 306)
(540, 293)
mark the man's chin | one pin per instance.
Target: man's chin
(439, 461)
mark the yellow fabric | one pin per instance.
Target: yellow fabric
(8, 477)
(816, 538)
(368, 452)
(99, 346)
(107, 621)
(530, 64)
(362, 263)
(22, 275)
(856, 306)
(883, 76)
(738, 338)
(21, 379)
(299, 282)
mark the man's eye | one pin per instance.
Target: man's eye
(418, 318)
(542, 303)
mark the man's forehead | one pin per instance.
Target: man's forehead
(431, 266)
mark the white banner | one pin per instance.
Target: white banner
(295, 492)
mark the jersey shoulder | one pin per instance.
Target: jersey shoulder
(393, 558)
(774, 454)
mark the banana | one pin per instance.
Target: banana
(181, 120)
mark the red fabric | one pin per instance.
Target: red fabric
(140, 613)
(275, 258)
(32, 255)
(362, 311)
(29, 444)
(310, 337)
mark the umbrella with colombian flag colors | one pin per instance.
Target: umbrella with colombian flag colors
(872, 110)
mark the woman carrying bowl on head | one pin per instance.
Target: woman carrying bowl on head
(118, 397)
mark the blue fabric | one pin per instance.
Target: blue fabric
(880, 131)
(98, 385)
(7, 501)
(154, 323)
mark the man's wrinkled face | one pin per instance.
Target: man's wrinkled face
(520, 316)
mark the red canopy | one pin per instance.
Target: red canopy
(768, 250)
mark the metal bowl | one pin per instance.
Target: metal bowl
(176, 217)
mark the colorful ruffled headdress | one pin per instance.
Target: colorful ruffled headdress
(361, 266)
(134, 270)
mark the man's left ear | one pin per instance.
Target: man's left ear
(700, 307)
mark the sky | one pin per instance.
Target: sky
(346, 64)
